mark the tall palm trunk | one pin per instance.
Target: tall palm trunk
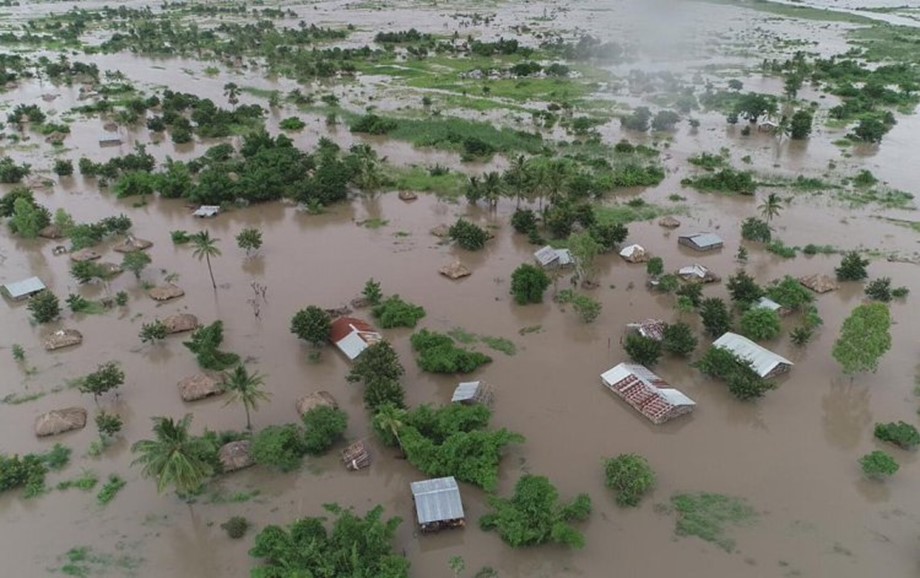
(248, 423)
(211, 271)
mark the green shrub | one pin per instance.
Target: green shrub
(754, 229)
(438, 354)
(528, 283)
(901, 434)
(44, 307)
(760, 324)
(643, 350)
(394, 312)
(524, 221)
(292, 123)
(111, 488)
(468, 235)
(323, 426)
(716, 317)
(878, 465)
(204, 343)
(679, 339)
(373, 124)
(236, 527)
(279, 446)
(312, 324)
(630, 476)
(852, 267)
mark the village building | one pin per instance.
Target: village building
(472, 392)
(19, 290)
(207, 211)
(650, 328)
(352, 336)
(770, 305)
(634, 254)
(550, 258)
(701, 241)
(697, 273)
(764, 362)
(647, 393)
(438, 504)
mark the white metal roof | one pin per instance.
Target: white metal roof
(24, 288)
(207, 210)
(695, 270)
(465, 391)
(624, 370)
(767, 303)
(763, 360)
(352, 345)
(675, 397)
(546, 255)
(565, 257)
(631, 250)
(437, 500)
(704, 239)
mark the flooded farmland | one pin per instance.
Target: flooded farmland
(791, 455)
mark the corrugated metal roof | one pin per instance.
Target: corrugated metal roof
(352, 345)
(24, 288)
(651, 328)
(704, 240)
(207, 210)
(763, 360)
(695, 270)
(767, 303)
(624, 370)
(546, 255)
(437, 500)
(565, 257)
(631, 250)
(675, 397)
(465, 391)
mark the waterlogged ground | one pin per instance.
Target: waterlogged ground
(791, 455)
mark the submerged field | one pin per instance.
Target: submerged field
(541, 104)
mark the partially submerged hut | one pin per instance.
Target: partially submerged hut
(20, 290)
(437, 504)
(697, 273)
(701, 241)
(132, 245)
(356, 456)
(314, 400)
(766, 363)
(165, 292)
(770, 305)
(455, 270)
(352, 336)
(51, 232)
(407, 196)
(472, 393)
(634, 254)
(200, 386)
(819, 283)
(110, 142)
(58, 421)
(669, 222)
(235, 456)
(84, 255)
(180, 323)
(646, 392)
(207, 211)
(442, 231)
(550, 258)
(650, 328)
(62, 338)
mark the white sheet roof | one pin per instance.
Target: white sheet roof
(704, 239)
(465, 391)
(630, 250)
(24, 288)
(763, 360)
(767, 303)
(437, 500)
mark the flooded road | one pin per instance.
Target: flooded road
(792, 455)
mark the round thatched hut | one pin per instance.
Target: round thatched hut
(58, 421)
(236, 456)
(200, 386)
(315, 399)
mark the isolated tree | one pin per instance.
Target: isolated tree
(232, 92)
(323, 426)
(864, 338)
(715, 315)
(379, 361)
(205, 247)
(468, 235)
(678, 339)
(665, 120)
(760, 324)
(372, 292)
(852, 267)
(152, 332)
(584, 249)
(743, 288)
(312, 324)
(878, 465)
(735, 84)
(771, 207)
(528, 283)
(754, 229)
(135, 262)
(800, 125)
(28, 218)
(643, 350)
(108, 424)
(174, 458)
(654, 267)
(107, 377)
(630, 476)
(901, 434)
(249, 240)
(247, 389)
(44, 306)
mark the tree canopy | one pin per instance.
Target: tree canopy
(864, 338)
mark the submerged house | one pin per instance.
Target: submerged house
(19, 290)
(701, 241)
(646, 392)
(205, 211)
(771, 305)
(472, 393)
(651, 328)
(352, 336)
(438, 504)
(634, 254)
(766, 363)
(550, 258)
(697, 273)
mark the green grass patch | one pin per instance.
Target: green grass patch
(796, 12)
(913, 225)
(463, 336)
(449, 185)
(625, 213)
(709, 516)
(473, 138)
(882, 197)
(20, 398)
(86, 482)
(110, 489)
(83, 562)
(500, 344)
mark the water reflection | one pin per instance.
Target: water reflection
(846, 413)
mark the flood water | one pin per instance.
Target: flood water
(792, 455)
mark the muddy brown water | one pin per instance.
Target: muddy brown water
(792, 455)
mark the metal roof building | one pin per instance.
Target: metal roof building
(437, 503)
(352, 336)
(550, 257)
(472, 392)
(646, 392)
(634, 253)
(698, 273)
(19, 290)
(701, 241)
(205, 211)
(767, 303)
(765, 362)
(651, 328)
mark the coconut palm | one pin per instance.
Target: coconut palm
(245, 388)
(391, 419)
(174, 457)
(492, 188)
(232, 92)
(206, 247)
(771, 207)
(516, 179)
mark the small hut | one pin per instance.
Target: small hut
(165, 292)
(200, 386)
(110, 142)
(62, 338)
(407, 196)
(701, 241)
(356, 456)
(697, 273)
(132, 245)
(441, 231)
(437, 504)
(550, 258)
(634, 254)
(84, 255)
(180, 323)
(455, 270)
(19, 290)
(819, 283)
(207, 211)
(58, 421)
(352, 336)
(669, 222)
(314, 400)
(650, 328)
(472, 393)
(51, 232)
(646, 392)
(235, 456)
(770, 305)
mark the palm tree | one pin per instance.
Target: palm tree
(232, 92)
(492, 188)
(206, 247)
(516, 179)
(174, 457)
(246, 388)
(771, 207)
(391, 418)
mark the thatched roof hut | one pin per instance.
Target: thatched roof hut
(455, 270)
(84, 255)
(165, 292)
(200, 386)
(669, 222)
(315, 399)
(236, 456)
(131, 245)
(58, 421)
(111, 269)
(356, 457)
(181, 322)
(819, 283)
(441, 231)
(62, 338)
(51, 232)
(407, 196)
